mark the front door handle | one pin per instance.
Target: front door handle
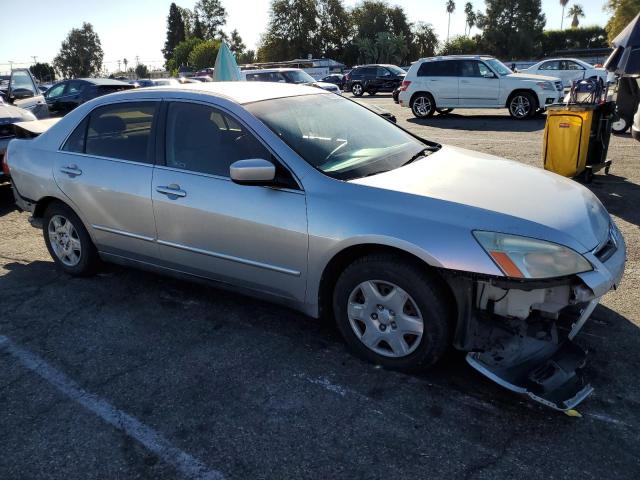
(71, 170)
(172, 190)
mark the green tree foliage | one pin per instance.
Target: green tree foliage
(470, 17)
(291, 31)
(181, 53)
(460, 45)
(211, 16)
(585, 37)
(623, 12)
(248, 56)
(512, 28)
(575, 13)
(80, 54)
(334, 28)
(43, 72)
(141, 71)
(451, 7)
(188, 19)
(564, 4)
(176, 32)
(425, 40)
(236, 45)
(204, 54)
(385, 48)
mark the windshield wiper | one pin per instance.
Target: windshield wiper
(422, 153)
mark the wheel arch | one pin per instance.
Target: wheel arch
(343, 258)
(43, 203)
(422, 92)
(523, 90)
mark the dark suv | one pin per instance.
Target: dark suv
(67, 95)
(373, 79)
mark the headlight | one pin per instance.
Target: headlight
(523, 257)
(545, 85)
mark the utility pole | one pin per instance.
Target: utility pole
(34, 59)
(119, 66)
(137, 60)
(11, 65)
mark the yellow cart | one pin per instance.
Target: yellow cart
(576, 139)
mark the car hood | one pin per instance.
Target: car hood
(533, 77)
(503, 186)
(11, 114)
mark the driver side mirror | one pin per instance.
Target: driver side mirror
(255, 171)
(490, 75)
(21, 93)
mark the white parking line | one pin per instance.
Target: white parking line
(153, 441)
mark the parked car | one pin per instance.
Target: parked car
(268, 189)
(373, 79)
(567, 70)
(68, 94)
(157, 82)
(635, 128)
(21, 90)
(286, 75)
(8, 116)
(444, 83)
(335, 78)
(202, 78)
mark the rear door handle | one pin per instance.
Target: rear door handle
(172, 190)
(71, 170)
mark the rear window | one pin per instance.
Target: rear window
(443, 68)
(105, 89)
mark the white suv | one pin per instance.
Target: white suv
(444, 83)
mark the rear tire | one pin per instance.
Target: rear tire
(68, 241)
(391, 312)
(357, 89)
(423, 105)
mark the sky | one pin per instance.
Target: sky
(137, 28)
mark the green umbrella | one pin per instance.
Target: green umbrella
(226, 69)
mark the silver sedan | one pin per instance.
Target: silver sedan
(310, 200)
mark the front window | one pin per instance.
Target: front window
(320, 128)
(21, 82)
(298, 76)
(499, 67)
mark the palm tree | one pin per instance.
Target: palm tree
(126, 62)
(471, 17)
(576, 12)
(451, 6)
(564, 4)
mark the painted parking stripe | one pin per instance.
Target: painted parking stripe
(153, 441)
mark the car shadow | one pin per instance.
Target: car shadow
(471, 122)
(7, 202)
(175, 310)
(620, 196)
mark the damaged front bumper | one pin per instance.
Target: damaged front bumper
(520, 333)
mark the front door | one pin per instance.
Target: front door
(251, 236)
(479, 86)
(105, 168)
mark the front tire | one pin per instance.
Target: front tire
(392, 312)
(357, 89)
(522, 105)
(68, 241)
(423, 105)
(620, 125)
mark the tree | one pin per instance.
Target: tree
(564, 4)
(188, 20)
(512, 28)
(182, 52)
(451, 6)
(385, 48)
(198, 28)
(470, 17)
(554, 41)
(212, 17)
(576, 11)
(43, 72)
(80, 54)
(623, 12)
(176, 32)
(334, 28)
(459, 45)
(248, 56)
(236, 45)
(204, 54)
(425, 40)
(126, 62)
(141, 71)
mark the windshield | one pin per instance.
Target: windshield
(499, 67)
(320, 128)
(396, 70)
(298, 76)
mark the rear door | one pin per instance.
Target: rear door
(105, 169)
(251, 236)
(24, 93)
(440, 78)
(478, 85)
(72, 96)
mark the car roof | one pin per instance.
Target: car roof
(241, 92)
(563, 58)
(270, 70)
(458, 57)
(101, 81)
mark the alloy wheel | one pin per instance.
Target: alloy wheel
(520, 106)
(422, 106)
(385, 318)
(64, 240)
(357, 89)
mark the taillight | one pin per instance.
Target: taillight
(405, 85)
(5, 165)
